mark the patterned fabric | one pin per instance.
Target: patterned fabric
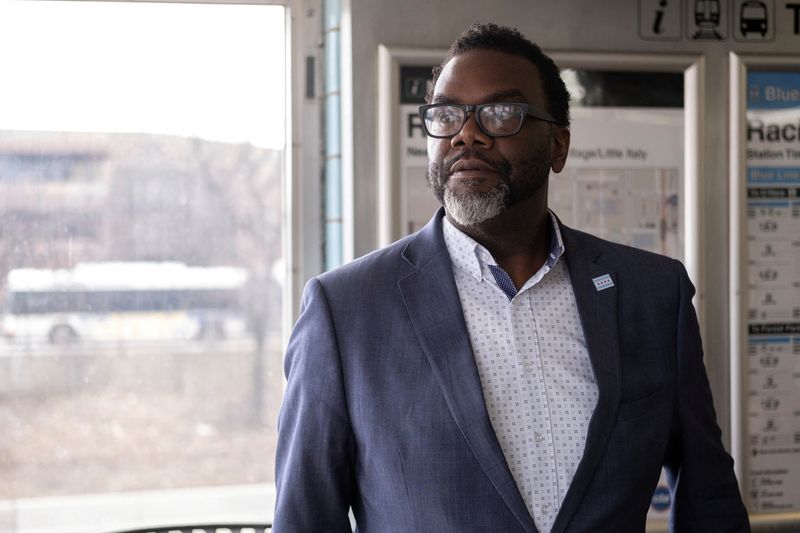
(503, 281)
(538, 384)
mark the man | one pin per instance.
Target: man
(498, 371)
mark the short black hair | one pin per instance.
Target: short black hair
(489, 36)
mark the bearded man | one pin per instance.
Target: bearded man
(498, 371)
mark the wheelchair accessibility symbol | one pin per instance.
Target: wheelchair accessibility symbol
(661, 500)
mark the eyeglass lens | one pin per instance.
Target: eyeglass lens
(501, 119)
(494, 119)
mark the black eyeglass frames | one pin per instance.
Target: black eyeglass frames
(497, 119)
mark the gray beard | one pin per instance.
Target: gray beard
(472, 208)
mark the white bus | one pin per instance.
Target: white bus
(124, 301)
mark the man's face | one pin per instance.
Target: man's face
(475, 176)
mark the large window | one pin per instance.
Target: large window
(141, 222)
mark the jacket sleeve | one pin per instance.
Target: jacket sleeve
(313, 471)
(705, 492)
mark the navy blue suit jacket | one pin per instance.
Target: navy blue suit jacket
(384, 410)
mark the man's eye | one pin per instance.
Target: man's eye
(447, 117)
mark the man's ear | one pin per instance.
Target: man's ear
(559, 149)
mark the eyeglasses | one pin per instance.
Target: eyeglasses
(495, 120)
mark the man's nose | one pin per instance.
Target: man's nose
(471, 134)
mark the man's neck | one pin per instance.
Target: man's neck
(518, 238)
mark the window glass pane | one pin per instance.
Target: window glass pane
(141, 179)
(604, 88)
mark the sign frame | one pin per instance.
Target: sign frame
(390, 193)
(390, 188)
(740, 64)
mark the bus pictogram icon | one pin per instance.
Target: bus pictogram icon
(753, 20)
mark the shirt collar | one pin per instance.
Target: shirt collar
(556, 242)
(468, 255)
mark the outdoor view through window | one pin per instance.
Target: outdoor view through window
(141, 185)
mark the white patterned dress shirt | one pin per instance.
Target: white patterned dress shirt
(538, 384)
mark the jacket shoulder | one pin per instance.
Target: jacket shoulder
(378, 266)
(623, 255)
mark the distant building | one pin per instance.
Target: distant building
(54, 192)
(81, 197)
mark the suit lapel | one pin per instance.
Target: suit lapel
(598, 313)
(432, 301)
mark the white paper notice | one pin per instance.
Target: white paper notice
(773, 314)
(623, 179)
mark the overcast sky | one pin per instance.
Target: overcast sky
(212, 71)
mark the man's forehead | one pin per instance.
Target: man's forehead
(488, 75)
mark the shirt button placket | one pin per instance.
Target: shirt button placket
(522, 346)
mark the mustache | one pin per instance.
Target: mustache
(447, 164)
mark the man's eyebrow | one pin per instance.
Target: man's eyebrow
(509, 95)
(442, 99)
(499, 96)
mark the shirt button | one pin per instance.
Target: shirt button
(528, 366)
(545, 509)
(539, 437)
